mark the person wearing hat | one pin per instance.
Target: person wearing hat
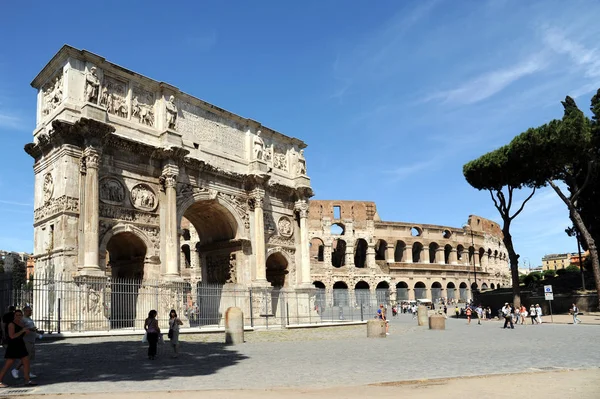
(506, 312)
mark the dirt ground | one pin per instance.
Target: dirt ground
(580, 384)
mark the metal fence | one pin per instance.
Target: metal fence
(104, 304)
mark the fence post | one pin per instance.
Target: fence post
(58, 324)
(361, 312)
(251, 309)
(287, 312)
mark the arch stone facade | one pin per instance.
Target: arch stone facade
(363, 222)
(115, 152)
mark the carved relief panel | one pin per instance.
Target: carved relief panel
(280, 158)
(52, 94)
(48, 188)
(114, 97)
(142, 106)
(111, 191)
(285, 227)
(143, 197)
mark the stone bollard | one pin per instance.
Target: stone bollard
(234, 326)
(437, 322)
(422, 315)
(376, 329)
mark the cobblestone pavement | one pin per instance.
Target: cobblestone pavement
(313, 358)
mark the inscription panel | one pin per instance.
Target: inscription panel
(210, 130)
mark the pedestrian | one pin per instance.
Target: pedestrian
(523, 313)
(152, 332)
(479, 311)
(381, 316)
(469, 314)
(575, 312)
(15, 348)
(506, 312)
(6, 319)
(29, 340)
(457, 311)
(174, 323)
(538, 312)
(532, 314)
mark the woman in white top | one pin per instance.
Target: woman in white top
(538, 312)
(174, 323)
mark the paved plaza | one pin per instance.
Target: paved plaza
(320, 358)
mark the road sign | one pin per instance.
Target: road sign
(549, 296)
(547, 289)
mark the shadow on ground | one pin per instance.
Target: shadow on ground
(72, 361)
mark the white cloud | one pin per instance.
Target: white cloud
(16, 203)
(11, 122)
(408, 170)
(490, 83)
(582, 56)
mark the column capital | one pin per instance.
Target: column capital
(256, 200)
(168, 178)
(301, 206)
(91, 157)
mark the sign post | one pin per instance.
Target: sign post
(549, 296)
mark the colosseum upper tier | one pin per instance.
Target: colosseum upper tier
(351, 248)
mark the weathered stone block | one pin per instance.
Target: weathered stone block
(437, 322)
(422, 315)
(234, 326)
(376, 329)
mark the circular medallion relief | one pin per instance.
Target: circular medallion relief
(285, 227)
(48, 187)
(111, 191)
(143, 198)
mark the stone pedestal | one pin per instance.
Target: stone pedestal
(376, 329)
(422, 317)
(234, 326)
(437, 322)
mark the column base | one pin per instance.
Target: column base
(91, 271)
(260, 284)
(173, 278)
(305, 287)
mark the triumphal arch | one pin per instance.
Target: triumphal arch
(128, 168)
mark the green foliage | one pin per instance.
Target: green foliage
(1, 266)
(549, 273)
(532, 277)
(19, 273)
(572, 269)
(522, 278)
(561, 272)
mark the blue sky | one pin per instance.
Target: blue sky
(392, 97)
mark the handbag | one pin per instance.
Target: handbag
(145, 338)
(170, 334)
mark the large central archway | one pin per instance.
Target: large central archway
(125, 256)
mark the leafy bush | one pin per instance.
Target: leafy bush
(561, 272)
(532, 277)
(549, 273)
(572, 269)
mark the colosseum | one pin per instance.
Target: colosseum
(352, 250)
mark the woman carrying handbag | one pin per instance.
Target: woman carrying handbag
(152, 333)
(174, 323)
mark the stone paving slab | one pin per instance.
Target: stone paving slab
(314, 358)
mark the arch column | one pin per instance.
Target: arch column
(453, 258)
(302, 208)
(408, 254)
(391, 252)
(91, 211)
(439, 256)
(260, 264)
(370, 261)
(168, 228)
(425, 254)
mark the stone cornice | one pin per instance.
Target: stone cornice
(84, 131)
(170, 153)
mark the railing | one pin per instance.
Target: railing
(107, 304)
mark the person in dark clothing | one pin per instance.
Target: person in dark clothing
(15, 348)
(6, 319)
(152, 333)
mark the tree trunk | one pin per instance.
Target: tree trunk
(514, 263)
(585, 234)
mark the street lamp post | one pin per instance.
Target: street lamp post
(473, 246)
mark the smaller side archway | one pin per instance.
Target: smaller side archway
(381, 250)
(402, 291)
(362, 293)
(462, 289)
(399, 251)
(382, 292)
(433, 247)
(360, 253)
(436, 291)
(420, 290)
(451, 290)
(317, 249)
(447, 252)
(340, 294)
(417, 248)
